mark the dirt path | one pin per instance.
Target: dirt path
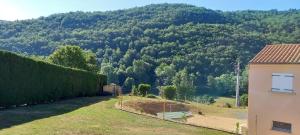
(215, 122)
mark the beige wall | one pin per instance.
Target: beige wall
(266, 106)
(115, 90)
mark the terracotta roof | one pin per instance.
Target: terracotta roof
(278, 54)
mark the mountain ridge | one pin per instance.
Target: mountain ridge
(205, 42)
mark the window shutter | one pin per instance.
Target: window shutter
(282, 82)
(276, 82)
(288, 83)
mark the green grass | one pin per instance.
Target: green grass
(88, 116)
(222, 100)
(216, 109)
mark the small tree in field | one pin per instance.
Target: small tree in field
(143, 89)
(168, 92)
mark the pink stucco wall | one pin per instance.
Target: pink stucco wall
(266, 106)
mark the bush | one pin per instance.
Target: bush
(206, 99)
(227, 105)
(169, 92)
(150, 96)
(27, 81)
(211, 100)
(143, 89)
(244, 100)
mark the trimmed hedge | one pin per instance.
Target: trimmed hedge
(27, 81)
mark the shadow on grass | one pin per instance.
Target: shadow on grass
(20, 115)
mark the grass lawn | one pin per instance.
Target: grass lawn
(216, 109)
(88, 116)
(222, 100)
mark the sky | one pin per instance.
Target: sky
(27, 9)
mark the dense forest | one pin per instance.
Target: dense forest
(159, 44)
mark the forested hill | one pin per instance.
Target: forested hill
(136, 41)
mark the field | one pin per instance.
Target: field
(240, 113)
(221, 100)
(213, 116)
(88, 116)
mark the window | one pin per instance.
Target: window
(282, 126)
(282, 82)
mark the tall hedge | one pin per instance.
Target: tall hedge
(27, 81)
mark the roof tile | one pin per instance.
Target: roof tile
(282, 54)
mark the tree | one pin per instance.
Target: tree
(129, 82)
(91, 60)
(142, 71)
(165, 74)
(129, 71)
(225, 84)
(244, 80)
(69, 56)
(211, 82)
(143, 89)
(207, 45)
(111, 73)
(184, 84)
(128, 57)
(168, 92)
(134, 91)
(122, 75)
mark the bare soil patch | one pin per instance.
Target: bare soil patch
(153, 107)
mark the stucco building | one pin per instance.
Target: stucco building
(274, 91)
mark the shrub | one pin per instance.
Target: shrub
(150, 96)
(27, 81)
(143, 89)
(169, 92)
(206, 99)
(244, 100)
(211, 100)
(227, 105)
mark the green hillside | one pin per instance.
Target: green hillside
(134, 42)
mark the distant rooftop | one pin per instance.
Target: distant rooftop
(278, 54)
